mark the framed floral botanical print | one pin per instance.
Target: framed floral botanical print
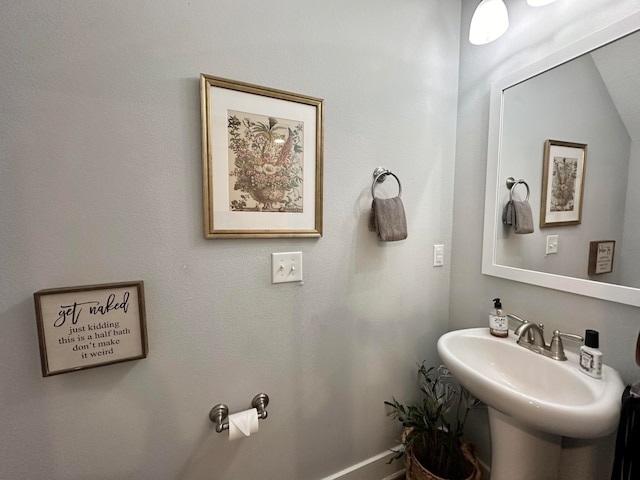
(562, 183)
(262, 152)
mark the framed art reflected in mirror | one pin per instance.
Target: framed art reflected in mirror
(562, 183)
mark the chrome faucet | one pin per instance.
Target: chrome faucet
(534, 335)
(529, 332)
(531, 336)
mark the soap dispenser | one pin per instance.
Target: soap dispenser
(498, 323)
(590, 356)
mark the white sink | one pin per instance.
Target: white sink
(544, 394)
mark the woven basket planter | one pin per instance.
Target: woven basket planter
(415, 471)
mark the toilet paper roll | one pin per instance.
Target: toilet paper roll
(243, 424)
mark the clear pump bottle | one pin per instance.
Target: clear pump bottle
(498, 322)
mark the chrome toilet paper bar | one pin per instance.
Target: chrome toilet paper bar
(220, 412)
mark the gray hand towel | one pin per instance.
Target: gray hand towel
(523, 217)
(388, 220)
(507, 214)
(518, 215)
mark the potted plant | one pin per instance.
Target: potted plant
(433, 427)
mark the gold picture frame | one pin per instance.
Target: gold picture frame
(90, 326)
(562, 183)
(262, 155)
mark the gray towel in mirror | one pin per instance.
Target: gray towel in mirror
(518, 215)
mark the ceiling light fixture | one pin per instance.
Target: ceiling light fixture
(489, 21)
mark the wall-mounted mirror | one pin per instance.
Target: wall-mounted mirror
(585, 94)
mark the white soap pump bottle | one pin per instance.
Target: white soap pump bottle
(590, 356)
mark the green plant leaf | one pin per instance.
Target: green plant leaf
(436, 420)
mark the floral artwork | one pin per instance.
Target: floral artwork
(563, 184)
(265, 163)
(262, 156)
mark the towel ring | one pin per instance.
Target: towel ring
(380, 175)
(512, 183)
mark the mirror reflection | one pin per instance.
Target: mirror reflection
(592, 100)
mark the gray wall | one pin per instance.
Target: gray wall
(100, 181)
(534, 34)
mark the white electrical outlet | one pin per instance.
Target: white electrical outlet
(286, 267)
(438, 255)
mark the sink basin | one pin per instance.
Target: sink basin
(547, 395)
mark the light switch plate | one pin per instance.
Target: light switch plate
(286, 267)
(552, 244)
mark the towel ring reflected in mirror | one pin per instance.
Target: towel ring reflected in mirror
(380, 175)
(512, 183)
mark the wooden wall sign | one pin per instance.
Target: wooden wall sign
(90, 326)
(601, 257)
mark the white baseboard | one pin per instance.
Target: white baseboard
(378, 468)
(374, 468)
(396, 476)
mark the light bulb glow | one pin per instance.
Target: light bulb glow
(489, 22)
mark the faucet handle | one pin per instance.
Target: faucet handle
(568, 336)
(521, 321)
(557, 348)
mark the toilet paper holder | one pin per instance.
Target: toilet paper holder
(220, 412)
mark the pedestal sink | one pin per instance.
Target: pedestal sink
(533, 400)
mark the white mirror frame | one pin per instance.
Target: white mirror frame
(495, 185)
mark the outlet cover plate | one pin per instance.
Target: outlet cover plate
(438, 255)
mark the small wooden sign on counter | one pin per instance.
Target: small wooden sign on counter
(90, 326)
